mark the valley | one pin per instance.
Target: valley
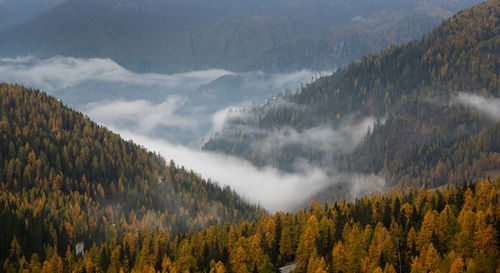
(249, 136)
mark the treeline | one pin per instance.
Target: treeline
(413, 87)
(65, 179)
(455, 229)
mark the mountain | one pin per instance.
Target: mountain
(419, 114)
(15, 12)
(65, 180)
(173, 36)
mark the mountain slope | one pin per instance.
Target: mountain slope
(74, 180)
(172, 36)
(412, 92)
(14, 12)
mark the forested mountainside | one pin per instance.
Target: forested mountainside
(455, 229)
(173, 36)
(65, 179)
(423, 134)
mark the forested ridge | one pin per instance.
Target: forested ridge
(64, 179)
(423, 135)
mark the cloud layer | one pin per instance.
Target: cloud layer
(142, 115)
(267, 186)
(180, 108)
(488, 106)
(64, 72)
(340, 139)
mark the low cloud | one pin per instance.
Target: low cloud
(268, 186)
(296, 78)
(309, 179)
(488, 106)
(361, 184)
(142, 115)
(181, 108)
(221, 117)
(329, 140)
(63, 72)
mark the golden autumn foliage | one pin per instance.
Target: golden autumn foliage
(67, 182)
(454, 229)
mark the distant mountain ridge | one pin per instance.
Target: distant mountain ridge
(173, 36)
(14, 12)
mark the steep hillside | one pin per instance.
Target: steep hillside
(412, 92)
(172, 36)
(70, 180)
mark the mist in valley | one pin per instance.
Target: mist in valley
(173, 114)
(179, 108)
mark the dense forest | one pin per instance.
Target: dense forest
(76, 197)
(69, 180)
(455, 229)
(422, 135)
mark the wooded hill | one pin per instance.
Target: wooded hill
(65, 179)
(424, 136)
